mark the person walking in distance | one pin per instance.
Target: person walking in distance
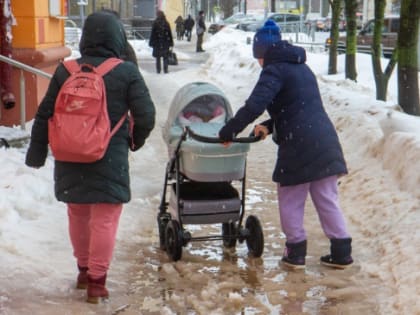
(201, 28)
(161, 41)
(179, 28)
(309, 157)
(95, 191)
(188, 25)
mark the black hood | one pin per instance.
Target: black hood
(103, 36)
(282, 51)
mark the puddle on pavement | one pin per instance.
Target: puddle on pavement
(210, 279)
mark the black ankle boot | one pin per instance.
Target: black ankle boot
(294, 255)
(340, 256)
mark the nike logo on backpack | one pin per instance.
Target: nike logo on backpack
(75, 105)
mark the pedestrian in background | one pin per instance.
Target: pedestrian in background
(201, 28)
(188, 25)
(309, 157)
(161, 41)
(179, 28)
(95, 192)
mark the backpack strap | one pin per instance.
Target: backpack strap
(103, 69)
(71, 66)
(108, 65)
(118, 125)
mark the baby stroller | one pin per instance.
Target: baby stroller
(200, 174)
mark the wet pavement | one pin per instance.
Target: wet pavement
(208, 279)
(212, 280)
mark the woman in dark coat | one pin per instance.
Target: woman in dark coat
(161, 41)
(309, 156)
(179, 28)
(95, 192)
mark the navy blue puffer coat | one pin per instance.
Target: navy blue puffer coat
(107, 180)
(308, 145)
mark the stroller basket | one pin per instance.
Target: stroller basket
(205, 203)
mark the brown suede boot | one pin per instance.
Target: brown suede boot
(96, 290)
(82, 278)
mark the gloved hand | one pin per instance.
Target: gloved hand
(227, 133)
(135, 146)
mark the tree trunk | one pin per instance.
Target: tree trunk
(408, 85)
(227, 7)
(334, 34)
(351, 39)
(273, 6)
(381, 81)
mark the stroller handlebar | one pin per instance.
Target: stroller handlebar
(252, 138)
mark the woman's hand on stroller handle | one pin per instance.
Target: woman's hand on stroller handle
(201, 138)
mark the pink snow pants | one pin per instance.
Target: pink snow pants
(324, 195)
(93, 229)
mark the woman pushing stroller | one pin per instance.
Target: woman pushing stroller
(309, 158)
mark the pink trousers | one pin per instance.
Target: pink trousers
(93, 228)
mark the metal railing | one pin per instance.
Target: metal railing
(142, 33)
(22, 84)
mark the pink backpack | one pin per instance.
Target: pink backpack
(80, 128)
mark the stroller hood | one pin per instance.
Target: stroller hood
(197, 101)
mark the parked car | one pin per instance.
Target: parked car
(232, 20)
(328, 22)
(320, 24)
(72, 33)
(281, 19)
(365, 37)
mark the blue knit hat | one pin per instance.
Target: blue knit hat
(265, 37)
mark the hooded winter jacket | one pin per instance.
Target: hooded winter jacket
(107, 180)
(308, 145)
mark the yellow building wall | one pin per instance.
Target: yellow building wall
(35, 27)
(38, 41)
(172, 9)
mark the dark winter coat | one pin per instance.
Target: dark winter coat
(189, 23)
(161, 38)
(201, 25)
(179, 22)
(107, 180)
(309, 148)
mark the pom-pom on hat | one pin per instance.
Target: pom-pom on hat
(265, 37)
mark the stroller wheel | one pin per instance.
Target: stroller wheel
(162, 220)
(229, 234)
(255, 239)
(173, 240)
